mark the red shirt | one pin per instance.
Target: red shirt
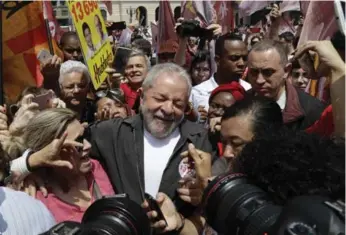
(130, 94)
(64, 211)
(325, 125)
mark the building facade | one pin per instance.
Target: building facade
(132, 12)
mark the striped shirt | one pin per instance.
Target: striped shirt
(21, 214)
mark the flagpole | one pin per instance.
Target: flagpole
(1, 60)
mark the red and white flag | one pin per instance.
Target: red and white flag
(55, 31)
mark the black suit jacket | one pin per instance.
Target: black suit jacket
(119, 145)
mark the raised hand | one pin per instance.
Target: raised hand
(49, 156)
(173, 218)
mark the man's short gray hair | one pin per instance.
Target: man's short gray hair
(166, 68)
(137, 52)
(71, 66)
(266, 45)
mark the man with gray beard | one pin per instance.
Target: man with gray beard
(144, 150)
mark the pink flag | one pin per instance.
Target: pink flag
(187, 10)
(319, 23)
(204, 11)
(224, 12)
(304, 5)
(248, 7)
(108, 4)
(289, 5)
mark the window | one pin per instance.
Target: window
(141, 15)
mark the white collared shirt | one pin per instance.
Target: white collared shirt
(200, 94)
(282, 100)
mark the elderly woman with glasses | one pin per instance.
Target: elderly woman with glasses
(111, 104)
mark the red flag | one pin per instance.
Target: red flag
(319, 23)
(54, 26)
(24, 35)
(166, 23)
(224, 11)
(108, 4)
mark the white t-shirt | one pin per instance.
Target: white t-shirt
(157, 153)
(200, 94)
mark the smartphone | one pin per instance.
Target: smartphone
(43, 101)
(43, 56)
(154, 206)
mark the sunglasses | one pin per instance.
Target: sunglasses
(115, 94)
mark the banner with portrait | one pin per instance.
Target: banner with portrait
(92, 33)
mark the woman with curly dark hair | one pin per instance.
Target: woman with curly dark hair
(287, 163)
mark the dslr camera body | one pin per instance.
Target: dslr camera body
(192, 28)
(234, 206)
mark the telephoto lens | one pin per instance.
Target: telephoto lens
(232, 205)
(117, 215)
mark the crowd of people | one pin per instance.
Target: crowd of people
(176, 121)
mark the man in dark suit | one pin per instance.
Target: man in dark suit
(143, 151)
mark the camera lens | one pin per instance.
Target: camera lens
(234, 206)
(115, 215)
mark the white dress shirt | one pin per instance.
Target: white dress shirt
(282, 100)
(200, 94)
(21, 214)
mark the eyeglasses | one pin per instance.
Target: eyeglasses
(114, 94)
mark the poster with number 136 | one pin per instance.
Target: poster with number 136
(92, 33)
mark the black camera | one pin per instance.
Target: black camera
(108, 216)
(234, 206)
(192, 28)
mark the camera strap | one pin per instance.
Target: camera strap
(96, 191)
(338, 206)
